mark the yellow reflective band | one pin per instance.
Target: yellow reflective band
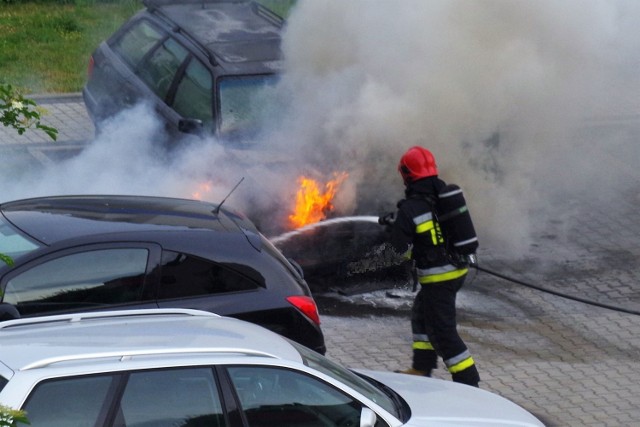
(437, 235)
(442, 277)
(434, 229)
(466, 363)
(422, 345)
(424, 227)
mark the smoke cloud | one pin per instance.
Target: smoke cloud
(518, 100)
(521, 102)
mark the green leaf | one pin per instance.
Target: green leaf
(21, 113)
(7, 259)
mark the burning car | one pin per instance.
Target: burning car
(337, 251)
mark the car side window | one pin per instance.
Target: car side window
(278, 397)
(67, 402)
(85, 279)
(183, 397)
(188, 276)
(171, 398)
(194, 96)
(160, 68)
(134, 44)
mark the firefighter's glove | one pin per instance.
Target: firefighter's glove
(387, 219)
(472, 259)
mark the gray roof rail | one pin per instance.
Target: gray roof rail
(113, 314)
(128, 355)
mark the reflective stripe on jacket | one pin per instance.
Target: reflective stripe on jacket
(417, 233)
(425, 224)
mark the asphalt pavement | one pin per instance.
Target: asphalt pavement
(562, 341)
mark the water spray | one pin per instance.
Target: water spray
(325, 223)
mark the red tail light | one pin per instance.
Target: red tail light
(90, 66)
(307, 306)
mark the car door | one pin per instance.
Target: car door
(183, 396)
(144, 63)
(273, 396)
(192, 100)
(84, 278)
(159, 70)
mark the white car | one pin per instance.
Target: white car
(188, 368)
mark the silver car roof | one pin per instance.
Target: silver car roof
(41, 342)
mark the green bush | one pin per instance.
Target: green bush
(10, 417)
(20, 113)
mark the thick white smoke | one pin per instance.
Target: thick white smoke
(504, 92)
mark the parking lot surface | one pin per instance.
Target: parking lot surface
(569, 362)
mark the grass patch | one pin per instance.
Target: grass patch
(45, 46)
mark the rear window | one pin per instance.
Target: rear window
(185, 276)
(68, 402)
(3, 382)
(134, 44)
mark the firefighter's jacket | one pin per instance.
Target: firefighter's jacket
(416, 233)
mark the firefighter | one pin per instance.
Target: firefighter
(440, 274)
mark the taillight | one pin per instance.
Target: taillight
(307, 306)
(90, 66)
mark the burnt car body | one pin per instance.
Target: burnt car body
(201, 64)
(85, 253)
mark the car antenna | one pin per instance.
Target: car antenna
(217, 209)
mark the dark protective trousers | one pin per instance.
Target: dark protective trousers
(434, 327)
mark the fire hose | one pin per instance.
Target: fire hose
(552, 292)
(472, 264)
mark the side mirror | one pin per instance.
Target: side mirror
(367, 418)
(8, 312)
(192, 126)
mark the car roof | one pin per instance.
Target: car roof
(233, 31)
(100, 337)
(57, 218)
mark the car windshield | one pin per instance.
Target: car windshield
(244, 103)
(320, 363)
(12, 243)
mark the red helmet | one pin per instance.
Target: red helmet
(417, 163)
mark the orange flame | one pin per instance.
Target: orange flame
(204, 189)
(312, 205)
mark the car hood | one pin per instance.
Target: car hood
(436, 402)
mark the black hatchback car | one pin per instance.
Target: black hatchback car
(204, 65)
(81, 253)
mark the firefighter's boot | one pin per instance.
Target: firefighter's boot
(468, 376)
